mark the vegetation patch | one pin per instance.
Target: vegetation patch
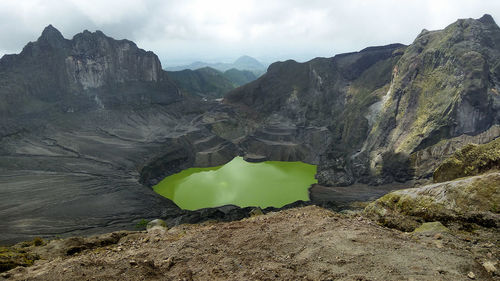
(11, 257)
(471, 160)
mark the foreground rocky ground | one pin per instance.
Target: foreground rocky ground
(308, 243)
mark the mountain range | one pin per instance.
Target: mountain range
(88, 124)
(242, 63)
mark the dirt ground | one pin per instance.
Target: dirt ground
(308, 243)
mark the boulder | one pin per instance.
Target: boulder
(431, 227)
(156, 223)
(472, 200)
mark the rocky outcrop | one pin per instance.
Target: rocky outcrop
(471, 200)
(469, 161)
(96, 59)
(427, 160)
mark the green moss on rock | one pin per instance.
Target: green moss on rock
(431, 227)
(470, 200)
(11, 257)
(471, 160)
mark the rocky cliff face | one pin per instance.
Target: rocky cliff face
(90, 71)
(383, 106)
(445, 85)
(323, 100)
(96, 59)
(326, 101)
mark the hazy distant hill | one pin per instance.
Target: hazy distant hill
(210, 82)
(240, 77)
(242, 63)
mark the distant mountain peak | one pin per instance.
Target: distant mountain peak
(487, 19)
(247, 60)
(50, 29)
(51, 34)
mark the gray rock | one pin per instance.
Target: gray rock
(158, 223)
(254, 158)
(490, 266)
(469, 200)
(431, 227)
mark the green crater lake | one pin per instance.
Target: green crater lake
(264, 184)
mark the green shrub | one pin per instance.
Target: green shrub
(142, 224)
(37, 241)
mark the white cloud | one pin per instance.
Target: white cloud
(182, 31)
(110, 11)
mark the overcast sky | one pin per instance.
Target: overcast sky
(221, 30)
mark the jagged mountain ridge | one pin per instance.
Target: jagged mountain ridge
(89, 71)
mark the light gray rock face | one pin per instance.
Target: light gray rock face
(96, 59)
(90, 71)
